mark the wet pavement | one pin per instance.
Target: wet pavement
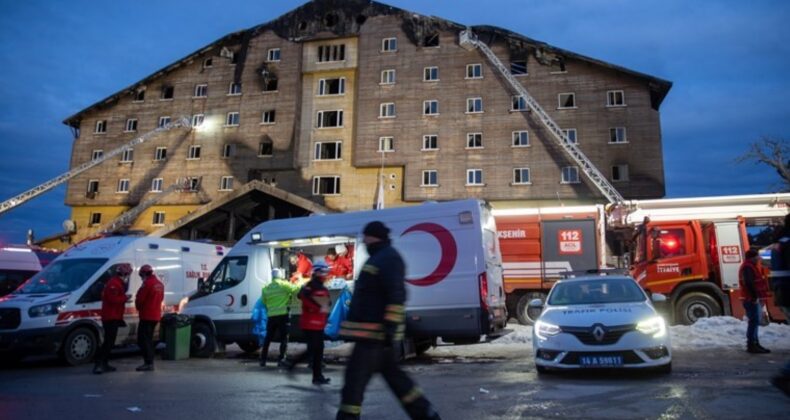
(464, 382)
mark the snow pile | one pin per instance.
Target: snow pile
(726, 331)
(522, 334)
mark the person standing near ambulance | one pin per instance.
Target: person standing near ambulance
(113, 304)
(376, 321)
(754, 292)
(149, 305)
(277, 296)
(315, 310)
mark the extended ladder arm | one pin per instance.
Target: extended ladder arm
(469, 41)
(41, 189)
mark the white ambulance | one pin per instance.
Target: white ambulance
(19, 263)
(453, 271)
(58, 310)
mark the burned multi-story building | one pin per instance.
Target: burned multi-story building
(309, 112)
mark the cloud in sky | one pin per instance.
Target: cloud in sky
(728, 60)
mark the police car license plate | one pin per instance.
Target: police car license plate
(605, 360)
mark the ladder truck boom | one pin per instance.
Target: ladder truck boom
(469, 41)
(60, 179)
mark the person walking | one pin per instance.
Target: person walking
(754, 289)
(277, 296)
(148, 302)
(315, 310)
(780, 284)
(113, 303)
(376, 323)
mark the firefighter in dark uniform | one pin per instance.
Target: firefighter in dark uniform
(376, 323)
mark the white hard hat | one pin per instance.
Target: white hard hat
(278, 273)
(340, 249)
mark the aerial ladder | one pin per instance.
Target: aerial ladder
(470, 41)
(183, 122)
(128, 217)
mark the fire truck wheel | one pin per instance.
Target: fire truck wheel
(203, 341)
(695, 305)
(80, 346)
(524, 314)
(250, 346)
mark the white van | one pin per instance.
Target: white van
(19, 263)
(453, 270)
(58, 310)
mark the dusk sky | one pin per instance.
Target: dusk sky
(729, 62)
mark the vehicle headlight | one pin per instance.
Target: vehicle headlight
(545, 330)
(46, 309)
(654, 326)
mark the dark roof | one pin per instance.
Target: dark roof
(344, 18)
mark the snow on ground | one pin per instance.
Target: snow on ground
(726, 331)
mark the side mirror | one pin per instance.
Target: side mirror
(535, 303)
(658, 297)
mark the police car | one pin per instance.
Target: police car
(600, 321)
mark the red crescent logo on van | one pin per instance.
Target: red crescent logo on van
(449, 253)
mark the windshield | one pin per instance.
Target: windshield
(230, 272)
(585, 292)
(63, 276)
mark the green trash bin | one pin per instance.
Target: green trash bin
(177, 331)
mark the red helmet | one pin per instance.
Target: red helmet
(123, 269)
(146, 270)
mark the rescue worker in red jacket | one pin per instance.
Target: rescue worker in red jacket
(113, 303)
(315, 310)
(149, 305)
(301, 267)
(376, 322)
(343, 266)
(754, 290)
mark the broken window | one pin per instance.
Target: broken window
(139, 96)
(326, 185)
(332, 86)
(268, 117)
(208, 63)
(228, 150)
(566, 100)
(265, 147)
(167, 92)
(620, 173)
(269, 82)
(518, 67)
(328, 119)
(329, 53)
(558, 66)
(431, 40)
(474, 140)
(93, 186)
(328, 150)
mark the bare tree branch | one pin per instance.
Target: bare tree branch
(774, 152)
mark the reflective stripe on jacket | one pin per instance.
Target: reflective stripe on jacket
(277, 296)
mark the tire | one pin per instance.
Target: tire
(80, 346)
(524, 316)
(665, 369)
(203, 343)
(695, 305)
(248, 346)
(541, 369)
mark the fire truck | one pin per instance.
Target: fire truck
(689, 249)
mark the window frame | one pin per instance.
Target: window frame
(123, 186)
(338, 119)
(139, 96)
(198, 120)
(158, 218)
(156, 185)
(269, 121)
(92, 182)
(425, 107)
(427, 174)
(389, 45)
(611, 95)
(158, 157)
(521, 170)
(568, 131)
(334, 51)
(193, 153)
(385, 108)
(425, 141)
(518, 133)
(228, 150)
(429, 71)
(520, 100)
(201, 88)
(97, 154)
(571, 170)
(526, 68)
(323, 86)
(317, 185)
(127, 155)
(100, 124)
(623, 172)
(130, 122)
(318, 149)
(271, 52)
(383, 141)
(226, 183)
(261, 145)
(472, 103)
(617, 137)
(570, 95)
(168, 93)
(163, 121)
(94, 219)
(470, 73)
(232, 91)
(389, 80)
(473, 172)
(230, 121)
(473, 136)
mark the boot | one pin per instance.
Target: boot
(322, 380)
(145, 367)
(285, 363)
(761, 348)
(108, 368)
(98, 369)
